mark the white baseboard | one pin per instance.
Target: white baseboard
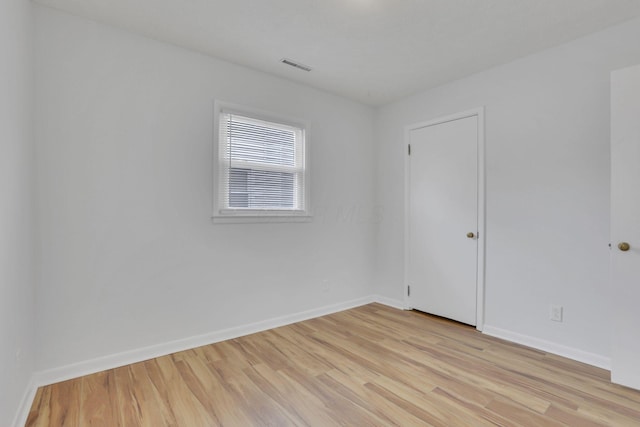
(550, 347)
(138, 355)
(51, 376)
(391, 302)
(87, 367)
(25, 404)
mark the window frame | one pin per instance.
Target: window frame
(225, 215)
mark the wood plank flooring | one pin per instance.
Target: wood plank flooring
(369, 366)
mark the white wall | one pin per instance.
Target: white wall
(129, 254)
(16, 195)
(547, 159)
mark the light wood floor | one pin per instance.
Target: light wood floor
(370, 366)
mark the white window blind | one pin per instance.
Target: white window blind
(261, 166)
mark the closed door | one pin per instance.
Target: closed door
(625, 226)
(443, 219)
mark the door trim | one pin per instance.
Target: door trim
(479, 113)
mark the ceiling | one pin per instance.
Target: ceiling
(372, 51)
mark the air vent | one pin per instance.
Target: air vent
(295, 64)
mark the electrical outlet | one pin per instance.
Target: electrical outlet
(556, 313)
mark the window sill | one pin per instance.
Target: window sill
(257, 219)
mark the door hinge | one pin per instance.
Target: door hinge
(409, 149)
(408, 290)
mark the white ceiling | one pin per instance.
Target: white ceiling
(373, 51)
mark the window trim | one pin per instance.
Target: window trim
(226, 215)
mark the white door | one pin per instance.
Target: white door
(443, 219)
(625, 226)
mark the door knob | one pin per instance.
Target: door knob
(471, 235)
(624, 246)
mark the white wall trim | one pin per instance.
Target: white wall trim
(25, 403)
(63, 373)
(550, 347)
(390, 302)
(91, 366)
(480, 274)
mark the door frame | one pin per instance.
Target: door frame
(480, 278)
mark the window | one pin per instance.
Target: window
(261, 166)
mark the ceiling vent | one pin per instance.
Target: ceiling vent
(295, 64)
